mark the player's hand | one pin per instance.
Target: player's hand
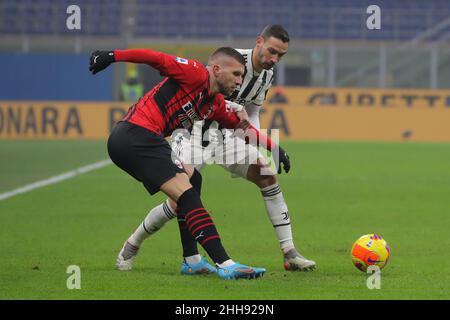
(233, 106)
(244, 124)
(282, 158)
(100, 60)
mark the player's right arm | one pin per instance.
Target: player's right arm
(170, 66)
(226, 116)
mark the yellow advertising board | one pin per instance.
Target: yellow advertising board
(309, 114)
(361, 114)
(59, 120)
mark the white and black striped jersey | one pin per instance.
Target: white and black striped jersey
(255, 86)
(251, 94)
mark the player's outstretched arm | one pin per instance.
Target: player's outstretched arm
(100, 60)
(280, 156)
(180, 69)
(226, 115)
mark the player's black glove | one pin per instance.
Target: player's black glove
(100, 60)
(282, 158)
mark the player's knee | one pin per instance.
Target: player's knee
(261, 176)
(196, 181)
(172, 204)
(266, 180)
(189, 169)
(190, 199)
(176, 186)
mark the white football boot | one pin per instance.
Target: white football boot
(294, 261)
(125, 259)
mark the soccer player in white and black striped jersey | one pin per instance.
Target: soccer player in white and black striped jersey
(271, 45)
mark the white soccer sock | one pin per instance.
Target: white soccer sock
(154, 221)
(226, 263)
(277, 211)
(193, 259)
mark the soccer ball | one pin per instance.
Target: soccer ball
(370, 250)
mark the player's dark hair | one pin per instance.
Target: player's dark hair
(276, 31)
(231, 52)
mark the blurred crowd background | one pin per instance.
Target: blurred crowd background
(331, 46)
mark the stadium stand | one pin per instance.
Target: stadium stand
(309, 19)
(45, 17)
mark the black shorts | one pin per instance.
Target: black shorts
(143, 154)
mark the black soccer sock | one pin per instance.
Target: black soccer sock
(196, 181)
(187, 240)
(201, 226)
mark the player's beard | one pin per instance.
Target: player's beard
(226, 91)
(266, 65)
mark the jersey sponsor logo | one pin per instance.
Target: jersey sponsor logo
(190, 116)
(184, 120)
(181, 60)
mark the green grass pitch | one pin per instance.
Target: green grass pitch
(336, 192)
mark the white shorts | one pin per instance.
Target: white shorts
(232, 153)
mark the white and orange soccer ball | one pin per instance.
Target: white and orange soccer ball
(370, 250)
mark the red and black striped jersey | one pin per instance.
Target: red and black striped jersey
(182, 98)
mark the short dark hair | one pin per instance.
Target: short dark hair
(276, 31)
(231, 52)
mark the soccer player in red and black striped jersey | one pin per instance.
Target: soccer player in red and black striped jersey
(189, 93)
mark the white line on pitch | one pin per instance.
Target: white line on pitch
(55, 179)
